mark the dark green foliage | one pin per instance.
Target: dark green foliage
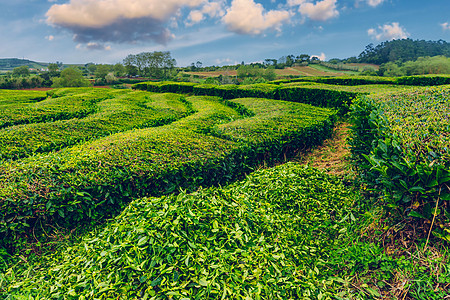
(76, 104)
(424, 65)
(251, 239)
(400, 143)
(166, 87)
(424, 80)
(125, 110)
(342, 80)
(317, 96)
(365, 80)
(339, 100)
(403, 50)
(228, 91)
(71, 77)
(96, 179)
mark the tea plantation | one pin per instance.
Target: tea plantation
(178, 191)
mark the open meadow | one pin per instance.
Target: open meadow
(175, 190)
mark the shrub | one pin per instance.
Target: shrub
(401, 144)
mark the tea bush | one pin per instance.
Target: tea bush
(400, 142)
(95, 179)
(125, 110)
(251, 239)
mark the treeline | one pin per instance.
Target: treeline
(423, 65)
(158, 64)
(401, 50)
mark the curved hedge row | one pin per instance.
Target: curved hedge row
(77, 105)
(265, 238)
(317, 96)
(401, 143)
(9, 97)
(96, 179)
(124, 111)
(416, 80)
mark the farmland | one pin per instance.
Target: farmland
(183, 191)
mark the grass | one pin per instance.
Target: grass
(382, 258)
(332, 156)
(331, 71)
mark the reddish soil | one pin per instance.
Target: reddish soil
(308, 71)
(37, 89)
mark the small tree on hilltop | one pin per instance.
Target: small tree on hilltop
(21, 71)
(71, 77)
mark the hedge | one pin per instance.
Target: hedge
(341, 80)
(125, 110)
(417, 80)
(52, 108)
(317, 96)
(14, 97)
(427, 80)
(166, 87)
(267, 237)
(401, 145)
(93, 180)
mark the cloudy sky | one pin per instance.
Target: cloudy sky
(215, 32)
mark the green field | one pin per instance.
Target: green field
(183, 191)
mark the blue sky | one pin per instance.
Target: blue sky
(215, 32)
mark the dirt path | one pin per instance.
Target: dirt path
(332, 155)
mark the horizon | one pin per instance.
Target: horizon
(216, 32)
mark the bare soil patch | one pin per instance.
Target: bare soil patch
(333, 155)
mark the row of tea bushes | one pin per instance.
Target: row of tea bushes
(52, 109)
(401, 142)
(424, 80)
(8, 97)
(124, 111)
(341, 80)
(267, 237)
(95, 179)
(315, 95)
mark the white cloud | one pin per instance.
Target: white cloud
(93, 46)
(118, 20)
(295, 2)
(322, 56)
(99, 13)
(195, 16)
(374, 3)
(50, 37)
(320, 11)
(388, 32)
(248, 17)
(445, 26)
(212, 9)
(226, 61)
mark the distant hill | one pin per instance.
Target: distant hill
(403, 50)
(7, 64)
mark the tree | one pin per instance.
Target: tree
(91, 68)
(130, 65)
(303, 58)
(102, 71)
(119, 70)
(153, 64)
(403, 50)
(21, 71)
(71, 77)
(270, 61)
(53, 68)
(269, 74)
